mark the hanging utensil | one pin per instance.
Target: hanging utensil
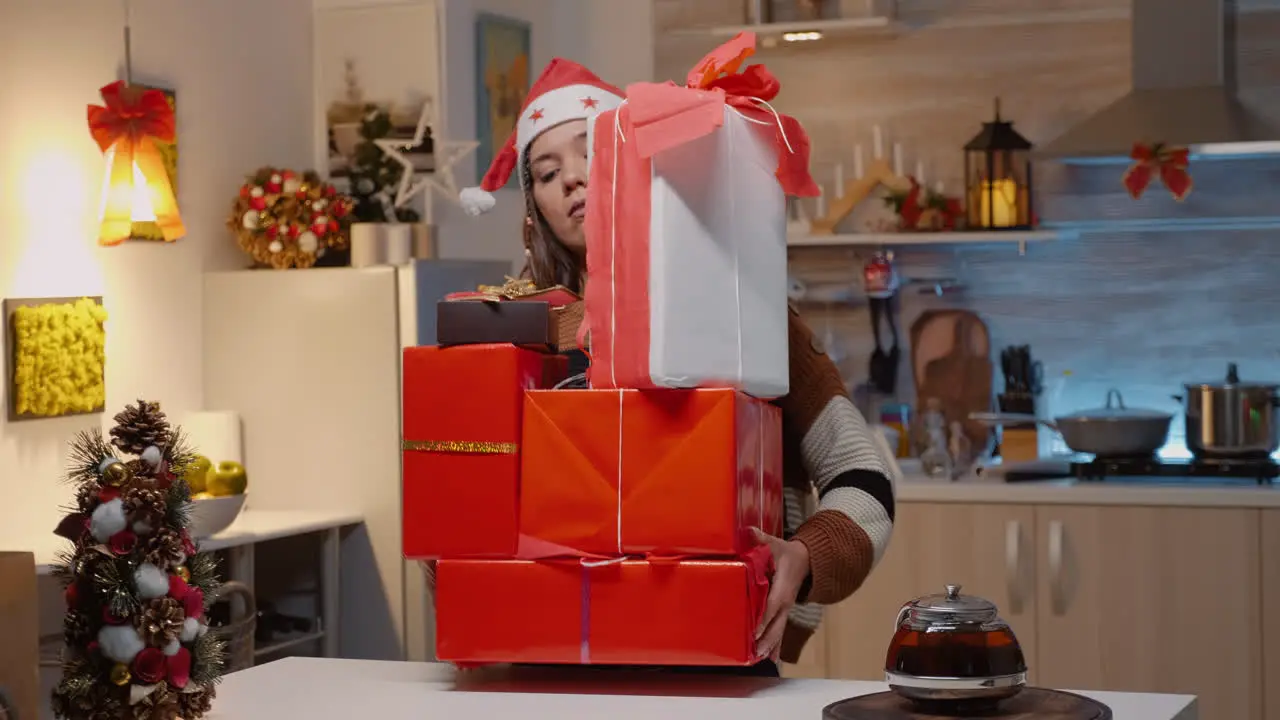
(880, 280)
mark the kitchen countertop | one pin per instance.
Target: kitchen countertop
(915, 486)
(391, 690)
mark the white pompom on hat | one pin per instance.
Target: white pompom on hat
(564, 91)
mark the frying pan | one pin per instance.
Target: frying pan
(1111, 431)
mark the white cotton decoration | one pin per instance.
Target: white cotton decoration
(172, 647)
(107, 520)
(152, 456)
(190, 630)
(151, 581)
(120, 642)
(142, 528)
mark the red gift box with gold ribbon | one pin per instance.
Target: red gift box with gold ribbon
(580, 612)
(461, 446)
(648, 472)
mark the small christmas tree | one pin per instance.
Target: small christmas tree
(137, 646)
(374, 175)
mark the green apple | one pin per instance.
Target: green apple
(197, 473)
(228, 478)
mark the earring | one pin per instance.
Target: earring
(528, 252)
(528, 221)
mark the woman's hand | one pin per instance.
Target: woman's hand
(791, 567)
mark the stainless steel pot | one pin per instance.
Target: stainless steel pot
(1231, 418)
(1107, 432)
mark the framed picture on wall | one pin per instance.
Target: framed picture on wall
(502, 82)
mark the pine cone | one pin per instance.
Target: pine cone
(139, 470)
(146, 505)
(160, 621)
(196, 704)
(140, 426)
(87, 498)
(76, 629)
(163, 548)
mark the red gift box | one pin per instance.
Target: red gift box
(462, 412)
(632, 612)
(655, 472)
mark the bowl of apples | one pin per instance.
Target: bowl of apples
(217, 495)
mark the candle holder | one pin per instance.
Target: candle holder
(997, 171)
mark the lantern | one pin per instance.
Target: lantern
(997, 171)
(129, 128)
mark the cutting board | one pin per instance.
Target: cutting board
(959, 376)
(1036, 703)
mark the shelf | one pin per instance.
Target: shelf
(928, 238)
(287, 643)
(879, 25)
(1167, 224)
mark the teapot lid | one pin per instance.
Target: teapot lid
(952, 607)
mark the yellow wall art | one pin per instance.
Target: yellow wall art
(58, 356)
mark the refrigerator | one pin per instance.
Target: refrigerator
(310, 359)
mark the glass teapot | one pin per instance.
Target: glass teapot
(953, 647)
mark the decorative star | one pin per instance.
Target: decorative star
(447, 154)
(589, 103)
(536, 115)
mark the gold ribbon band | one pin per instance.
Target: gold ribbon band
(460, 447)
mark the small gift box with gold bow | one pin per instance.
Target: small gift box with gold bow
(515, 312)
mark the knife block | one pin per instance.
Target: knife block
(1019, 444)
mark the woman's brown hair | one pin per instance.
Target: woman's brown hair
(548, 261)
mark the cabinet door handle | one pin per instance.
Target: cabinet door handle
(1057, 595)
(1013, 563)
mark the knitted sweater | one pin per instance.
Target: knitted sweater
(828, 450)
(838, 495)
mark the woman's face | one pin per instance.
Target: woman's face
(558, 170)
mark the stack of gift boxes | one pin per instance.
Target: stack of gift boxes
(613, 525)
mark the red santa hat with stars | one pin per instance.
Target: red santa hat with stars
(565, 91)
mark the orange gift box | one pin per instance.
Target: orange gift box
(654, 472)
(633, 612)
(462, 408)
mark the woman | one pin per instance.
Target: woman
(826, 552)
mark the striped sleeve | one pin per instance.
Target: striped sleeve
(848, 534)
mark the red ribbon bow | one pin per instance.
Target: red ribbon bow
(130, 124)
(1148, 160)
(665, 115)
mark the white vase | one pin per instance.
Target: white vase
(397, 240)
(424, 242)
(366, 245)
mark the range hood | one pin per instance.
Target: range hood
(1184, 91)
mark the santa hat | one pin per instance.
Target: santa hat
(565, 91)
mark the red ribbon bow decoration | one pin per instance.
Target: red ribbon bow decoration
(665, 115)
(1148, 160)
(127, 129)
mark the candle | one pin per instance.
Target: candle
(920, 172)
(998, 203)
(897, 159)
(877, 142)
(839, 189)
(857, 162)
(822, 203)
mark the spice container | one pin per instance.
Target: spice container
(954, 648)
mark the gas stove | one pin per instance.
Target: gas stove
(1242, 472)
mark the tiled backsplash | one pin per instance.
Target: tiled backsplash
(1142, 312)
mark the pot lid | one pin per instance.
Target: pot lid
(1233, 381)
(952, 607)
(1116, 410)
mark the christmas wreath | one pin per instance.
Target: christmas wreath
(286, 220)
(137, 640)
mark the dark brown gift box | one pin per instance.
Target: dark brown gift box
(523, 322)
(20, 628)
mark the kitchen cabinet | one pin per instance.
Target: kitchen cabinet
(1129, 598)
(1152, 600)
(1271, 621)
(985, 548)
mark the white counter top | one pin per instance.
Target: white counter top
(250, 527)
(914, 486)
(319, 689)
